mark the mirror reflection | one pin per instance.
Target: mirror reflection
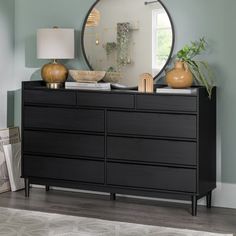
(127, 38)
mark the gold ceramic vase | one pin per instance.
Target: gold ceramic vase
(179, 77)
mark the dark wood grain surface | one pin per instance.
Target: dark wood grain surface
(64, 144)
(120, 142)
(64, 169)
(165, 125)
(171, 103)
(134, 149)
(64, 118)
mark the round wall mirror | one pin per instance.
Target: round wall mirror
(126, 38)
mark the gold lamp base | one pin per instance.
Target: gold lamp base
(54, 85)
(54, 74)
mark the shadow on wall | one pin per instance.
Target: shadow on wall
(36, 75)
(14, 103)
(14, 108)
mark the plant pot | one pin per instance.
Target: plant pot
(179, 77)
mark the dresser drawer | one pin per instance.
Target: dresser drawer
(63, 118)
(151, 177)
(50, 97)
(105, 100)
(166, 103)
(64, 144)
(152, 150)
(63, 169)
(155, 124)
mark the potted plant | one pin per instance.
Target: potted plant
(187, 69)
(110, 47)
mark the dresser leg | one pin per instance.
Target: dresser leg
(27, 187)
(47, 188)
(208, 199)
(194, 205)
(112, 196)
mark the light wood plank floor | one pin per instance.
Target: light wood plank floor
(123, 209)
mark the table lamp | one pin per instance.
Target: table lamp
(55, 43)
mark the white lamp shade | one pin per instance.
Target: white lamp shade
(56, 43)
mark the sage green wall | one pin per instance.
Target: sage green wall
(6, 58)
(33, 14)
(214, 19)
(193, 19)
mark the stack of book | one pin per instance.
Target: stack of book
(88, 86)
(169, 90)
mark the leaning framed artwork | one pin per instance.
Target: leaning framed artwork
(7, 136)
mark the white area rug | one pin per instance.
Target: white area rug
(27, 223)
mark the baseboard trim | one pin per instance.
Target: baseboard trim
(223, 195)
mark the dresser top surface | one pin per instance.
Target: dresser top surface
(40, 85)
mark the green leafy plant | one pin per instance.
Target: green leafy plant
(201, 70)
(110, 47)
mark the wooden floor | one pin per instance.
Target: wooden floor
(123, 209)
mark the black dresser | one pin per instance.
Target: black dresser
(120, 142)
